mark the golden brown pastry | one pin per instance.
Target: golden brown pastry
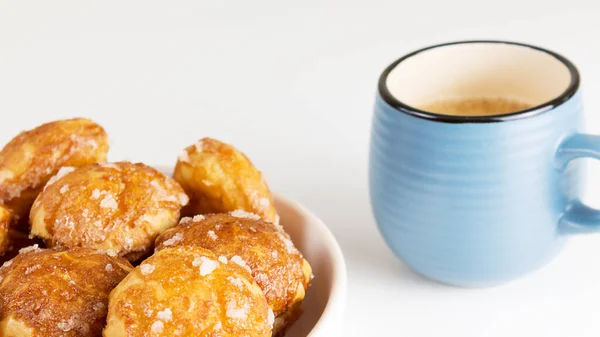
(188, 292)
(119, 207)
(261, 247)
(219, 179)
(5, 219)
(57, 293)
(32, 157)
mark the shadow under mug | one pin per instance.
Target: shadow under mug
(479, 200)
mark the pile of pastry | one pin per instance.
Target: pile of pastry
(210, 256)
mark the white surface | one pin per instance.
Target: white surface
(292, 84)
(478, 70)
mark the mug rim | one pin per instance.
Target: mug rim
(569, 92)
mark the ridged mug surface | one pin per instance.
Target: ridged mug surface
(472, 204)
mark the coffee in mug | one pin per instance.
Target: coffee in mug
(475, 106)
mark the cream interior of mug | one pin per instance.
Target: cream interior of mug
(479, 70)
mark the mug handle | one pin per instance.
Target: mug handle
(578, 218)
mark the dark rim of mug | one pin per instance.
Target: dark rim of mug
(534, 111)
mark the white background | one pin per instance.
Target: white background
(292, 84)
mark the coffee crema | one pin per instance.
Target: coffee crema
(475, 106)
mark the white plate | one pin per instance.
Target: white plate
(325, 300)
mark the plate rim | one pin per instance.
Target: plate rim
(336, 303)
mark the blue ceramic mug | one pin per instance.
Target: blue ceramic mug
(479, 200)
